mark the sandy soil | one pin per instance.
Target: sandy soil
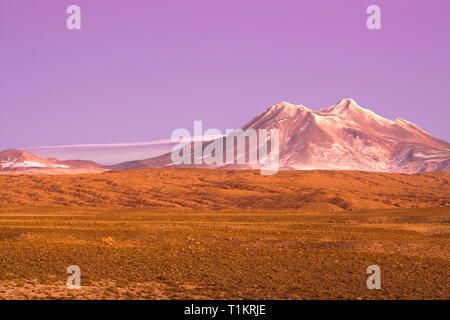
(142, 254)
(226, 240)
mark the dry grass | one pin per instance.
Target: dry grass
(173, 234)
(206, 189)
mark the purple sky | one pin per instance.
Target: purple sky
(139, 69)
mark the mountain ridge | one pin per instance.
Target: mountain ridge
(19, 160)
(344, 136)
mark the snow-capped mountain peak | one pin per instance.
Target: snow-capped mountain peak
(344, 136)
(14, 159)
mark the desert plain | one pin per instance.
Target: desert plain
(225, 234)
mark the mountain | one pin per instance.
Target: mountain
(344, 136)
(18, 160)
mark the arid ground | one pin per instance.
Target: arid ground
(217, 234)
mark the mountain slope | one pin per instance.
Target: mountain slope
(18, 160)
(204, 190)
(341, 137)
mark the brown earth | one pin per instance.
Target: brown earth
(208, 189)
(216, 234)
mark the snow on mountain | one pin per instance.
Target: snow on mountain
(15, 160)
(344, 136)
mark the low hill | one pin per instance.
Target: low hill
(208, 189)
(18, 161)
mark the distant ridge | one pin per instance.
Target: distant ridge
(17, 160)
